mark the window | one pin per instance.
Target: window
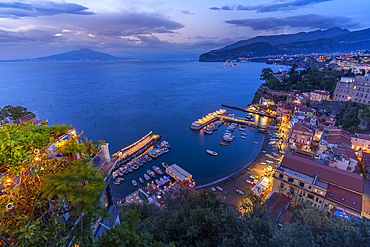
(309, 187)
(301, 184)
(354, 203)
(317, 199)
(282, 185)
(342, 198)
(291, 190)
(291, 180)
(281, 176)
(331, 194)
(310, 196)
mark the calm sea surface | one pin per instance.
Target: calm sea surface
(121, 102)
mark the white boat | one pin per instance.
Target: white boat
(208, 132)
(255, 142)
(158, 182)
(244, 134)
(157, 170)
(150, 173)
(219, 188)
(211, 152)
(269, 161)
(114, 174)
(213, 188)
(146, 177)
(272, 143)
(244, 137)
(141, 180)
(164, 165)
(240, 192)
(134, 183)
(162, 181)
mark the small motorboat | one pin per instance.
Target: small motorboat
(116, 182)
(134, 183)
(224, 143)
(158, 182)
(255, 142)
(150, 173)
(244, 134)
(129, 169)
(141, 180)
(240, 192)
(164, 165)
(211, 152)
(157, 170)
(213, 188)
(146, 176)
(244, 137)
(219, 188)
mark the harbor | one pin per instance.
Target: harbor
(211, 117)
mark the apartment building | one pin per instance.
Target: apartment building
(301, 135)
(324, 187)
(319, 95)
(361, 142)
(356, 89)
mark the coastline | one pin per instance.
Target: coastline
(237, 172)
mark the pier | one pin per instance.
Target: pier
(249, 111)
(136, 148)
(245, 121)
(211, 117)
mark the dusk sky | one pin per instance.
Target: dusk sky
(162, 28)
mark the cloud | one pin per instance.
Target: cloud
(300, 21)
(17, 10)
(187, 12)
(276, 6)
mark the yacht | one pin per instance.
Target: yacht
(244, 137)
(211, 152)
(157, 170)
(244, 134)
(134, 183)
(150, 173)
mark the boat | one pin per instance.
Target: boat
(114, 174)
(219, 188)
(228, 63)
(227, 138)
(165, 166)
(150, 173)
(255, 142)
(244, 137)
(157, 170)
(271, 143)
(262, 131)
(236, 64)
(208, 132)
(162, 181)
(116, 182)
(263, 163)
(211, 152)
(244, 134)
(141, 180)
(240, 192)
(129, 169)
(158, 182)
(263, 151)
(213, 188)
(134, 183)
(269, 161)
(146, 176)
(224, 143)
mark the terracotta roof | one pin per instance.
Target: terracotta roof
(329, 174)
(303, 154)
(366, 157)
(338, 139)
(347, 152)
(276, 204)
(363, 136)
(321, 92)
(348, 196)
(305, 109)
(302, 127)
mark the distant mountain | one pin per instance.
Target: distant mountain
(353, 36)
(289, 38)
(79, 55)
(313, 46)
(253, 50)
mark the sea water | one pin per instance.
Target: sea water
(120, 102)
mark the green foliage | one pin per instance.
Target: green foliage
(349, 117)
(13, 112)
(124, 234)
(43, 186)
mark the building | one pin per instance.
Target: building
(276, 204)
(334, 136)
(318, 95)
(301, 135)
(353, 89)
(323, 187)
(283, 111)
(179, 174)
(306, 111)
(341, 158)
(361, 142)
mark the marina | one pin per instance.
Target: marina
(211, 117)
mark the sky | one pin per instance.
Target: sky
(162, 29)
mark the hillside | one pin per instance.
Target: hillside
(289, 38)
(253, 50)
(353, 36)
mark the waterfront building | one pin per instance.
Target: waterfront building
(283, 111)
(301, 135)
(361, 142)
(324, 187)
(319, 95)
(179, 174)
(356, 89)
(334, 136)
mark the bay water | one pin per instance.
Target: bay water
(120, 102)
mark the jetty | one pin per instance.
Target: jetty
(245, 121)
(136, 148)
(249, 111)
(211, 117)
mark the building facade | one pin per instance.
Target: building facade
(322, 186)
(356, 89)
(319, 95)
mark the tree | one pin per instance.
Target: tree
(266, 74)
(46, 183)
(13, 112)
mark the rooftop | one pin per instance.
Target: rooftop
(321, 92)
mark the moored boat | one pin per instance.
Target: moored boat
(244, 137)
(157, 170)
(224, 143)
(211, 152)
(164, 165)
(150, 173)
(244, 134)
(141, 180)
(134, 183)
(255, 142)
(146, 176)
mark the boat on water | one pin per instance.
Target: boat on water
(157, 170)
(129, 169)
(165, 166)
(134, 183)
(255, 142)
(150, 173)
(114, 174)
(116, 182)
(228, 63)
(240, 192)
(146, 176)
(211, 152)
(244, 137)
(271, 143)
(227, 138)
(219, 188)
(244, 134)
(269, 161)
(236, 64)
(158, 182)
(141, 180)
(162, 181)
(263, 151)
(224, 143)
(262, 131)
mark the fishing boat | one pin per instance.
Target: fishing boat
(224, 143)
(134, 183)
(228, 63)
(141, 180)
(211, 152)
(150, 173)
(146, 177)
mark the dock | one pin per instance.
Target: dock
(245, 110)
(245, 122)
(210, 118)
(137, 148)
